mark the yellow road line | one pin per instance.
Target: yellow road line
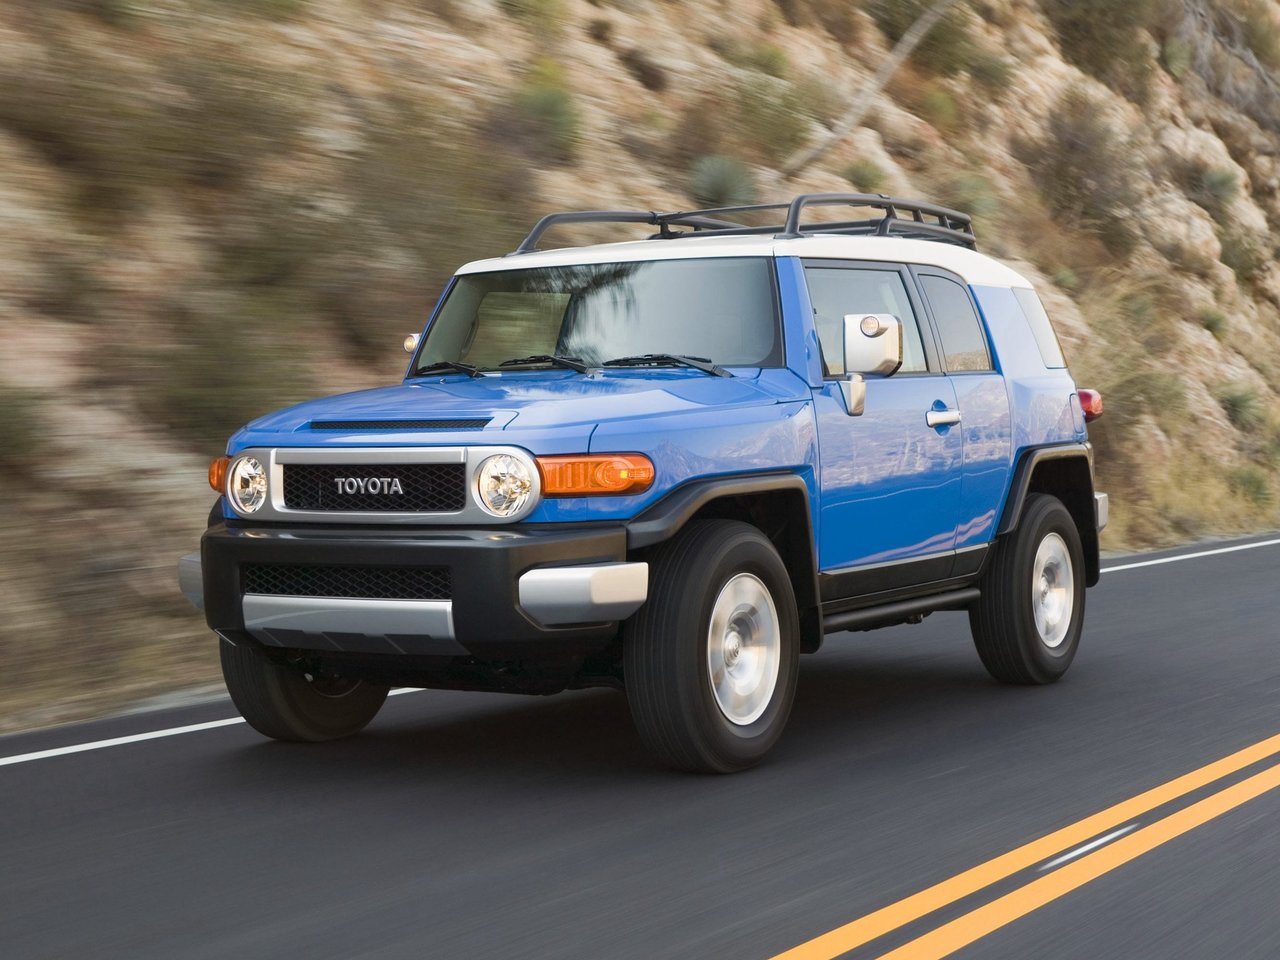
(882, 921)
(962, 931)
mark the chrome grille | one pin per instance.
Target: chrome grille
(427, 487)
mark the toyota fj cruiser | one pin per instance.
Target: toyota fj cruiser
(670, 465)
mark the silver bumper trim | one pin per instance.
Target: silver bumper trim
(191, 579)
(555, 596)
(1102, 509)
(268, 617)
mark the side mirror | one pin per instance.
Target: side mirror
(411, 342)
(872, 348)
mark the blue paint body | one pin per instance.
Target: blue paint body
(883, 486)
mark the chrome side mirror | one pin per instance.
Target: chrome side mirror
(411, 342)
(872, 348)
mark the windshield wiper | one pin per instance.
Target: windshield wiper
(572, 363)
(670, 360)
(455, 365)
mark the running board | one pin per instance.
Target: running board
(869, 618)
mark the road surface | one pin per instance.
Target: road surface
(913, 806)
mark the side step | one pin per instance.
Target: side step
(886, 614)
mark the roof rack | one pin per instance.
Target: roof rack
(898, 218)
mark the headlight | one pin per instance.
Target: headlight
(504, 485)
(247, 484)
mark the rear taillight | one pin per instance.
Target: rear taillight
(1091, 404)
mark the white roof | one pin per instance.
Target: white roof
(975, 268)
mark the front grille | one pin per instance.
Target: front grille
(400, 424)
(425, 487)
(364, 583)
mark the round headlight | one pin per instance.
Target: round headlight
(504, 485)
(247, 484)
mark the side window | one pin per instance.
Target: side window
(836, 291)
(963, 342)
(1041, 328)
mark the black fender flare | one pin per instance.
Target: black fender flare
(1081, 505)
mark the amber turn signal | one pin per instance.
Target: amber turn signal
(593, 475)
(1091, 404)
(218, 474)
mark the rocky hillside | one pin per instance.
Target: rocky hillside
(213, 207)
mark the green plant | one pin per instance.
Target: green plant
(991, 72)
(970, 193)
(1218, 187)
(939, 108)
(768, 58)
(1066, 278)
(772, 120)
(1241, 404)
(948, 48)
(720, 181)
(1215, 322)
(1175, 57)
(1260, 27)
(267, 9)
(1252, 483)
(866, 175)
(541, 116)
(651, 75)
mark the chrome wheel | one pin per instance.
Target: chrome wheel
(744, 649)
(1052, 590)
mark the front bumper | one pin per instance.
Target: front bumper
(515, 593)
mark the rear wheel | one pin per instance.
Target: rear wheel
(279, 701)
(710, 660)
(1028, 621)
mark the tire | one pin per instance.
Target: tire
(279, 702)
(715, 581)
(1023, 629)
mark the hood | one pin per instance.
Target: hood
(511, 402)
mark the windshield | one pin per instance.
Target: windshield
(720, 309)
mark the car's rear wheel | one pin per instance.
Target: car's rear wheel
(1028, 622)
(710, 660)
(286, 701)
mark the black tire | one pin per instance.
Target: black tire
(666, 646)
(1012, 646)
(279, 702)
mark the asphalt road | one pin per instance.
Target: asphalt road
(477, 826)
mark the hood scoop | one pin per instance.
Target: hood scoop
(468, 424)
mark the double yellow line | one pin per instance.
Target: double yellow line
(951, 936)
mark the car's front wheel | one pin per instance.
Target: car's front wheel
(1027, 623)
(287, 702)
(710, 660)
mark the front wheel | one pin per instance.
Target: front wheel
(281, 701)
(1027, 623)
(710, 661)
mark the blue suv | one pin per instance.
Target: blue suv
(669, 466)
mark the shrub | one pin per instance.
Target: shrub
(1261, 29)
(651, 75)
(545, 16)
(948, 48)
(866, 175)
(1251, 483)
(1104, 38)
(1242, 407)
(991, 72)
(1175, 57)
(541, 116)
(970, 193)
(1066, 278)
(1243, 254)
(1085, 171)
(21, 429)
(1221, 186)
(772, 119)
(769, 58)
(838, 17)
(600, 30)
(939, 108)
(720, 181)
(266, 9)
(1215, 322)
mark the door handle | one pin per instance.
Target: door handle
(942, 418)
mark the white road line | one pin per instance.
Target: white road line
(1191, 556)
(139, 737)
(1091, 845)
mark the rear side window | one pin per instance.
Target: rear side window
(963, 342)
(1041, 328)
(836, 291)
